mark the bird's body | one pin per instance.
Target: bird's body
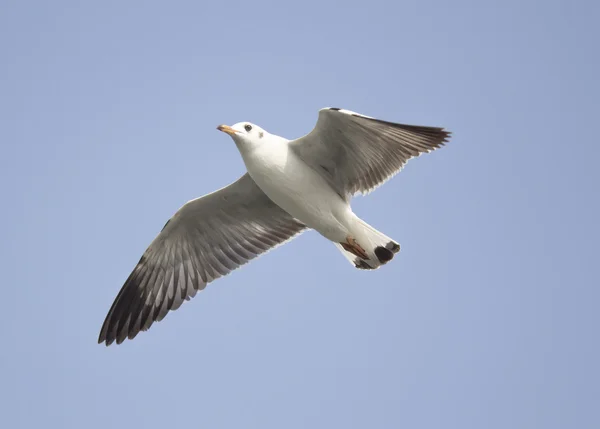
(297, 189)
(290, 186)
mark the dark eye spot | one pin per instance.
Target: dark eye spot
(248, 127)
(260, 135)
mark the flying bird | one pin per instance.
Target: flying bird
(290, 186)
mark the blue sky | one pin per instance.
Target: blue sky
(487, 318)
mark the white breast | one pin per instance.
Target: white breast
(297, 189)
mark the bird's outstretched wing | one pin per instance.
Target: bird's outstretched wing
(206, 239)
(356, 153)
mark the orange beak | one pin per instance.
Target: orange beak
(226, 129)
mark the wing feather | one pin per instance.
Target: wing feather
(357, 153)
(206, 239)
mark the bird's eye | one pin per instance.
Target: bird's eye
(248, 128)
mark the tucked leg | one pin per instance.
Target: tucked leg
(353, 247)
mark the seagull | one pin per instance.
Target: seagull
(290, 186)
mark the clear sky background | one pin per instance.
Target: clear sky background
(488, 318)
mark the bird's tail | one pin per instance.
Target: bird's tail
(368, 248)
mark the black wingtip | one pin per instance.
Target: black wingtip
(105, 339)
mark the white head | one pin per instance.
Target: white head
(244, 133)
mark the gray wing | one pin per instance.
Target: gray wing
(206, 239)
(356, 153)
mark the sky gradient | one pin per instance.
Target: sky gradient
(488, 318)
